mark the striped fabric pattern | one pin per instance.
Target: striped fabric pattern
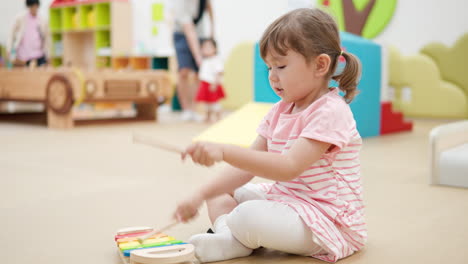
(328, 195)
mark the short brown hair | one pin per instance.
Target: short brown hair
(311, 32)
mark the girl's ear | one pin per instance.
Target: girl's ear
(322, 65)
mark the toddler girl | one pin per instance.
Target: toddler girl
(210, 74)
(307, 145)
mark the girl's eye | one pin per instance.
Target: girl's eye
(282, 67)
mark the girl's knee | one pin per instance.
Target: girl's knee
(248, 192)
(244, 223)
(184, 73)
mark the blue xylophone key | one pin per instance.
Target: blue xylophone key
(126, 253)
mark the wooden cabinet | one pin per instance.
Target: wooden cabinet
(88, 34)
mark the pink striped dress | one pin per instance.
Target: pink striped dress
(328, 195)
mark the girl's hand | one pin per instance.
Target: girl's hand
(188, 209)
(204, 153)
(213, 87)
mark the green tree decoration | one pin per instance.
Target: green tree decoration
(366, 18)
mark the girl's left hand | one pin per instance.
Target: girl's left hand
(204, 153)
(188, 209)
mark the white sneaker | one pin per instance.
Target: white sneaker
(196, 117)
(186, 116)
(165, 108)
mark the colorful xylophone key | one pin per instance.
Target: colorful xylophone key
(127, 242)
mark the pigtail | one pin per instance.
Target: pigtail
(348, 79)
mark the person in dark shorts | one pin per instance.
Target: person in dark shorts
(188, 32)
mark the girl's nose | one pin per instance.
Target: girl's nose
(272, 76)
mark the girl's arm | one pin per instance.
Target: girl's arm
(229, 180)
(273, 166)
(218, 78)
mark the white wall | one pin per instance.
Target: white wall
(7, 15)
(415, 22)
(243, 20)
(418, 22)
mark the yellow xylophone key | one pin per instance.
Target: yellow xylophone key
(131, 244)
(128, 239)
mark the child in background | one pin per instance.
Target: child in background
(210, 74)
(308, 145)
(29, 39)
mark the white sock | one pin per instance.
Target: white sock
(218, 246)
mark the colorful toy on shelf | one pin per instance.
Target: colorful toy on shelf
(159, 248)
(91, 19)
(75, 20)
(62, 1)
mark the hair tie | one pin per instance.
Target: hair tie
(341, 53)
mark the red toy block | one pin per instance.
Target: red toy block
(391, 122)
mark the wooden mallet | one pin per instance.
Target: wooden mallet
(157, 231)
(146, 140)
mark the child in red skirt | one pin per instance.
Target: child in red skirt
(210, 74)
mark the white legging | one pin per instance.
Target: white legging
(257, 222)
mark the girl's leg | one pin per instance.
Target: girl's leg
(209, 112)
(217, 111)
(220, 205)
(273, 225)
(222, 245)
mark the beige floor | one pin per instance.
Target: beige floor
(64, 194)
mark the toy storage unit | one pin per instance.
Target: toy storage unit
(87, 34)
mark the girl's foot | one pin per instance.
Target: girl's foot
(221, 245)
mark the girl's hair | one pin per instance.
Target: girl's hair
(212, 41)
(32, 2)
(311, 32)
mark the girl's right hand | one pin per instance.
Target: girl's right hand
(204, 153)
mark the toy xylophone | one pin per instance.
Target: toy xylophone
(157, 249)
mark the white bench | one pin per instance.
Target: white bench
(449, 154)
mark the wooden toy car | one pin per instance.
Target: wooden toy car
(62, 88)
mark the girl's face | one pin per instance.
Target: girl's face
(293, 79)
(33, 9)
(208, 49)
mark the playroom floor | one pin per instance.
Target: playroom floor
(63, 194)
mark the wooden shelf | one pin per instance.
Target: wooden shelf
(87, 34)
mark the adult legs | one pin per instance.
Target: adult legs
(184, 88)
(187, 81)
